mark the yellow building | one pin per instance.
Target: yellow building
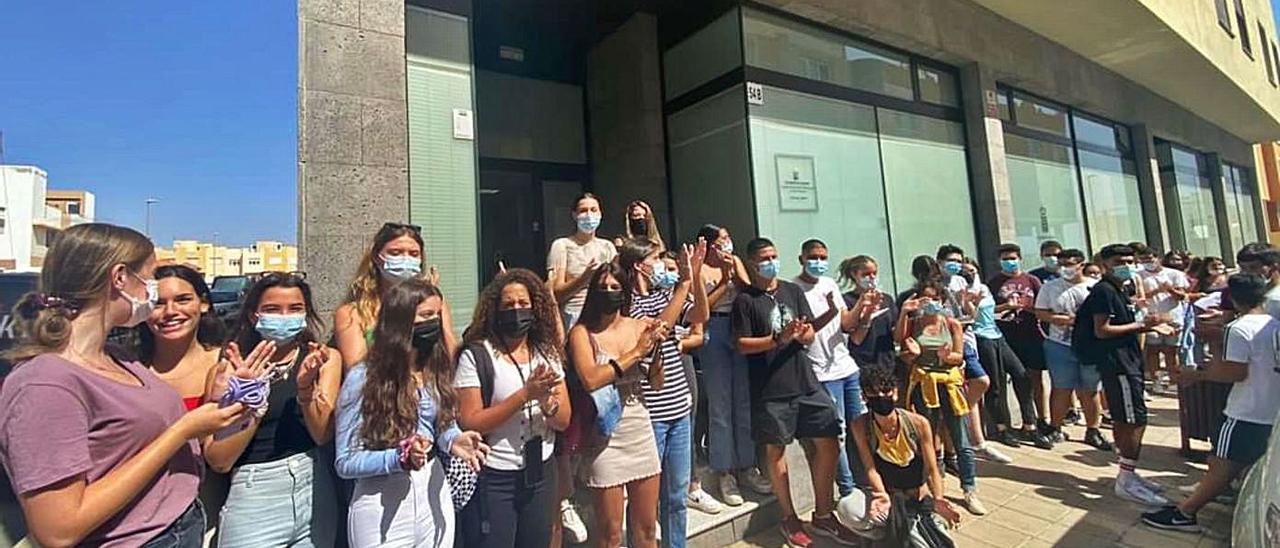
(1267, 158)
(212, 261)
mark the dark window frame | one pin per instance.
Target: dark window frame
(1266, 53)
(1224, 16)
(1243, 23)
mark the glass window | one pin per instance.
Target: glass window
(1266, 52)
(1002, 105)
(1240, 211)
(926, 179)
(1188, 198)
(1093, 132)
(817, 173)
(73, 208)
(789, 47)
(1044, 192)
(528, 119)
(710, 167)
(703, 56)
(938, 86)
(1036, 114)
(1113, 208)
(1243, 25)
(1224, 15)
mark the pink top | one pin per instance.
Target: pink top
(59, 421)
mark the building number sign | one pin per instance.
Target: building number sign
(755, 93)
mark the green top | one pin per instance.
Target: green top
(929, 346)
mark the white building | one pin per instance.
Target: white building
(29, 220)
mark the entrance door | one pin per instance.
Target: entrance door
(510, 223)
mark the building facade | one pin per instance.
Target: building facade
(885, 127)
(31, 216)
(214, 260)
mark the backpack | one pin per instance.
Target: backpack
(484, 370)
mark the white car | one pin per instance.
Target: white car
(1257, 518)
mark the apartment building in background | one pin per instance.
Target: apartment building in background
(216, 260)
(31, 215)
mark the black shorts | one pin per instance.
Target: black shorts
(1124, 398)
(1030, 353)
(1241, 442)
(780, 422)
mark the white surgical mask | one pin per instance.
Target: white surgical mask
(142, 308)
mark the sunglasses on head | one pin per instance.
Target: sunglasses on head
(402, 226)
(296, 275)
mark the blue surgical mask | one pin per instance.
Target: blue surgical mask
(769, 269)
(588, 222)
(868, 283)
(816, 267)
(1009, 266)
(662, 278)
(952, 267)
(1070, 272)
(401, 266)
(932, 307)
(280, 328)
(1051, 262)
(1125, 272)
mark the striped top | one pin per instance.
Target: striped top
(675, 400)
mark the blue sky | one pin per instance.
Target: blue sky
(194, 103)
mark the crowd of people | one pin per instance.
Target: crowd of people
(621, 369)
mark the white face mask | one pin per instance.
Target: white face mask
(142, 308)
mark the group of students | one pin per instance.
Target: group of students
(395, 431)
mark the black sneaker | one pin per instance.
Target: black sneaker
(1057, 436)
(1073, 417)
(1093, 437)
(1106, 418)
(1037, 439)
(1006, 437)
(1171, 519)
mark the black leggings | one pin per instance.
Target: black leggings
(998, 359)
(515, 515)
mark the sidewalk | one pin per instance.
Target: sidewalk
(1064, 497)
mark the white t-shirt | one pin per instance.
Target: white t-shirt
(1254, 339)
(1164, 303)
(568, 256)
(1063, 297)
(507, 440)
(1272, 304)
(829, 353)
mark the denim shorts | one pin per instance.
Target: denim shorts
(972, 366)
(1065, 370)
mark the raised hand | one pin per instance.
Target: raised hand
(233, 365)
(470, 447)
(433, 275)
(541, 384)
(309, 369)
(911, 346)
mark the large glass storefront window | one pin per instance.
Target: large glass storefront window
(710, 166)
(1071, 176)
(1188, 200)
(1239, 194)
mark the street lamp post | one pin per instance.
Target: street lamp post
(150, 202)
(215, 254)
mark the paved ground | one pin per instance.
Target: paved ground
(1064, 497)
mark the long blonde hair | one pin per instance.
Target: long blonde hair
(365, 292)
(651, 224)
(75, 277)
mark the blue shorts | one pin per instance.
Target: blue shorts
(972, 367)
(1065, 370)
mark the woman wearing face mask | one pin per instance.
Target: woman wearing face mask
(282, 491)
(641, 224)
(933, 350)
(606, 348)
(871, 342)
(510, 383)
(732, 453)
(691, 337)
(993, 352)
(397, 253)
(897, 447)
(573, 259)
(671, 298)
(180, 343)
(395, 417)
(98, 449)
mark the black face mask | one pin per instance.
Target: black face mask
(613, 301)
(515, 322)
(638, 227)
(426, 335)
(880, 405)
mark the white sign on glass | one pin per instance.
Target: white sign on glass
(463, 125)
(797, 188)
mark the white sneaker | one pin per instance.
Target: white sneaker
(757, 482)
(729, 490)
(1146, 395)
(974, 505)
(574, 530)
(991, 453)
(1134, 491)
(701, 501)
(1150, 485)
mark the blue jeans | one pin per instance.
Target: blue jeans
(724, 371)
(185, 532)
(847, 394)
(674, 447)
(286, 502)
(957, 427)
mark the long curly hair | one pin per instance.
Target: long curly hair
(389, 397)
(365, 291)
(542, 337)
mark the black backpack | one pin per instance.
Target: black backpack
(484, 370)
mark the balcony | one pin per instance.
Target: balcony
(48, 217)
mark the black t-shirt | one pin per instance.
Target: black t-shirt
(783, 372)
(877, 347)
(1117, 355)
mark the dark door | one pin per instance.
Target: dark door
(511, 225)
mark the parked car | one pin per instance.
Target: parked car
(227, 294)
(1257, 516)
(13, 285)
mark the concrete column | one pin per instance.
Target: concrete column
(1154, 217)
(352, 137)
(988, 172)
(624, 105)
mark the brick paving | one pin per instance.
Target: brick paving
(1064, 497)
